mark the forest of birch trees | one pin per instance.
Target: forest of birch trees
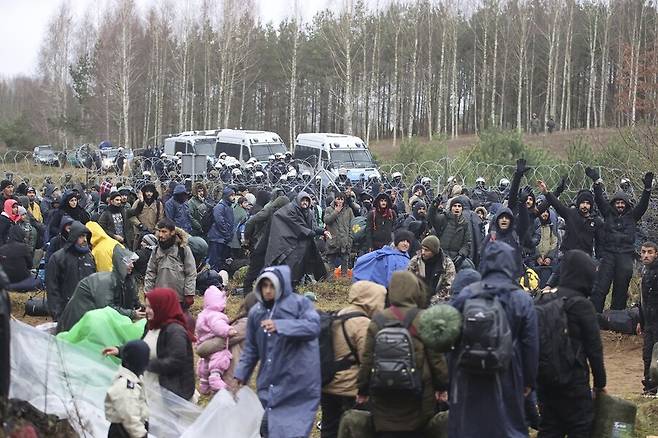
(373, 69)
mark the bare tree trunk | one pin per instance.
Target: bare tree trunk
(293, 81)
(414, 66)
(593, 35)
(395, 84)
(552, 53)
(440, 113)
(604, 64)
(493, 69)
(454, 98)
(484, 79)
(523, 26)
(429, 74)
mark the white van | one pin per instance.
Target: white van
(243, 145)
(202, 143)
(336, 151)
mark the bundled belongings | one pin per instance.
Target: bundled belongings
(621, 321)
(613, 417)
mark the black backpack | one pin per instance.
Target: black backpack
(329, 365)
(207, 220)
(487, 343)
(556, 355)
(394, 369)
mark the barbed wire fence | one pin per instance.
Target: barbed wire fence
(74, 168)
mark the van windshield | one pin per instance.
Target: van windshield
(262, 151)
(352, 157)
(205, 146)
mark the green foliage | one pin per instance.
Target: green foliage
(412, 151)
(579, 150)
(15, 133)
(504, 147)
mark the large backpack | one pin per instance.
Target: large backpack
(487, 343)
(556, 355)
(359, 227)
(394, 369)
(329, 365)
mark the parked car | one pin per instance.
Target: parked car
(45, 155)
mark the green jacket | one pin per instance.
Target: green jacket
(453, 232)
(115, 289)
(397, 412)
(340, 227)
(198, 209)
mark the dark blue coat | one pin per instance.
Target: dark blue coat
(493, 406)
(289, 381)
(222, 229)
(179, 212)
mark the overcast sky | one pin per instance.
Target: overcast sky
(23, 23)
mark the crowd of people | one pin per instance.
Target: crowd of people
(406, 248)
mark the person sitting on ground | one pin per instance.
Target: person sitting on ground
(114, 220)
(171, 358)
(126, 407)
(115, 289)
(379, 265)
(8, 219)
(32, 238)
(56, 242)
(365, 298)
(67, 267)
(68, 206)
(399, 414)
(435, 269)
(16, 260)
(283, 329)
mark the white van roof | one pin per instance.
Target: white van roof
(330, 140)
(248, 136)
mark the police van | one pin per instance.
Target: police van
(245, 144)
(192, 142)
(334, 152)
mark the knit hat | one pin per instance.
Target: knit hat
(5, 183)
(432, 243)
(135, 356)
(583, 195)
(401, 235)
(21, 210)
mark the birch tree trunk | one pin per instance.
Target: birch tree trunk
(593, 34)
(293, 81)
(412, 96)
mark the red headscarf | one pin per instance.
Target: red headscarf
(8, 207)
(166, 310)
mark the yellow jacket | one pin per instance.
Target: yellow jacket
(125, 403)
(102, 247)
(35, 211)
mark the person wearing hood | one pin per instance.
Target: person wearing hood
(221, 232)
(171, 357)
(435, 269)
(50, 192)
(499, 398)
(463, 279)
(569, 409)
(178, 210)
(256, 238)
(114, 220)
(32, 237)
(418, 214)
(349, 335)
(282, 334)
(8, 219)
(198, 206)
(619, 233)
(213, 323)
(380, 222)
(146, 246)
(502, 229)
(419, 193)
(59, 240)
(545, 243)
(102, 247)
(126, 406)
(338, 220)
(241, 212)
(16, 260)
(69, 207)
(67, 267)
(292, 240)
(115, 289)
(148, 211)
(454, 230)
(33, 205)
(398, 414)
(263, 197)
(366, 203)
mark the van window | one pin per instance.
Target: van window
(245, 153)
(307, 154)
(231, 149)
(180, 146)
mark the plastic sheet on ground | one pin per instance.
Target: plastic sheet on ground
(225, 417)
(70, 381)
(102, 328)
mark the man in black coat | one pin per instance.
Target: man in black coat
(16, 259)
(619, 232)
(67, 267)
(648, 325)
(569, 409)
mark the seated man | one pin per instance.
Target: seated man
(435, 269)
(378, 266)
(16, 259)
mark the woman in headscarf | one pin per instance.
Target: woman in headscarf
(8, 218)
(171, 362)
(68, 207)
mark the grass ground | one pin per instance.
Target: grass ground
(623, 353)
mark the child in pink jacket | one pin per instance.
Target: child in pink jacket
(211, 323)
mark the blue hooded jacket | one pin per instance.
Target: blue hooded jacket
(497, 400)
(289, 381)
(179, 212)
(378, 266)
(223, 219)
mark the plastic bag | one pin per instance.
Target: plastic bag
(70, 381)
(233, 419)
